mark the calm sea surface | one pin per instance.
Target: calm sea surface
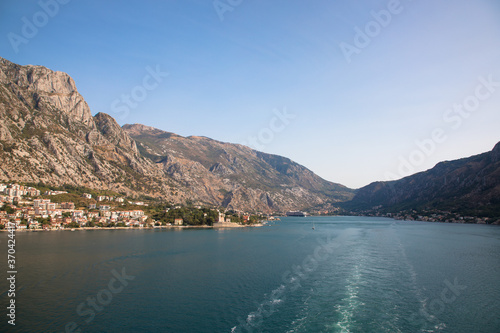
(348, 274)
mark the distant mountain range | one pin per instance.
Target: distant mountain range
(48, 135)
(469, 186)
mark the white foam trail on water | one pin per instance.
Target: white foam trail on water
(298, 323)
(351, 301)
(254, 317)
(262, 312)
(349, 305)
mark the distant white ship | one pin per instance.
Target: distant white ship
(296, 213)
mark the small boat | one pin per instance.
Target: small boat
(313, 228)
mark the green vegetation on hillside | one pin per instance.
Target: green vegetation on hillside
(189, 215)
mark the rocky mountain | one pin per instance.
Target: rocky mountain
(470, 186)
(48, 134)
(232, 173)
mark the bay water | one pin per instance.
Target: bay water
(348, 274)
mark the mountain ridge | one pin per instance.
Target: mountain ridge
(469, 185)
(235, 164)
(48, 134)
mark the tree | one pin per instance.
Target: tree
(73, 225)
(43, 221)
(8, 209)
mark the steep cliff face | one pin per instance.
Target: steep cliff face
(469, 184)
(40, 88)
(48, 134)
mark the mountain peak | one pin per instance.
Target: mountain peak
(495, 153)
(138, 129)
(43, 88)
(115, 134)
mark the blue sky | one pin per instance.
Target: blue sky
(294, 78)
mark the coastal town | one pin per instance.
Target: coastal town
(28, 208)
(433, 216)
(24, 207)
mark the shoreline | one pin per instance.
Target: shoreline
(225, 226)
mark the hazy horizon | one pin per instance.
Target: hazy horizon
(355, 92)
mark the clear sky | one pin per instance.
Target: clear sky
(345, 88)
